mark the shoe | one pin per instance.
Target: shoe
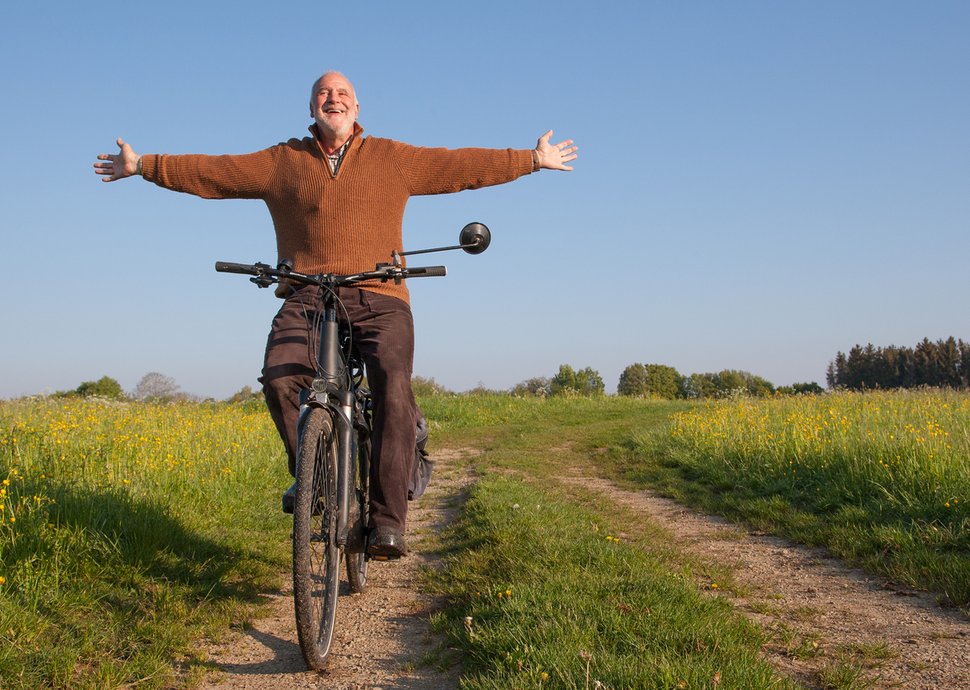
(386, 543)
(289, 499)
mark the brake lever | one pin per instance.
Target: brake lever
(263, 281)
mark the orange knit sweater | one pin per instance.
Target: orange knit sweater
(342, 223)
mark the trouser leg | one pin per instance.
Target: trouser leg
(288, 366)
(383, 331)
(384, 336)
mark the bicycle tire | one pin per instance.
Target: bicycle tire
(357, 546)
(316, 558)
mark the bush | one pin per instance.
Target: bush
(538, 386)
(424, 386)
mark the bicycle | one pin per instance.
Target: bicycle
(333, 458)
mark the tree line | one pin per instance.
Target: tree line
(153, 386)
(658, 381)
(942, 364)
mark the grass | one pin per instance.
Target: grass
(886, 464)
(549, 590)
(544, 595)
(880, 479)
(129, 531)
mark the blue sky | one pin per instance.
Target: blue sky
(760, 184)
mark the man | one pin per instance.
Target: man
(337, 201)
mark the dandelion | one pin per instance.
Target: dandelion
(544, 676)
(3, 580)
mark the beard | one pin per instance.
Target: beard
(336, 131)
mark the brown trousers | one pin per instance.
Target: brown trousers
(383, 332)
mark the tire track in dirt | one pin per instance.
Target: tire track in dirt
(383, 639)
(816, 609)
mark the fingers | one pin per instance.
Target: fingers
(565, 147)
(113, 166)
(106, 167)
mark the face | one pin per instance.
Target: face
(333, 104)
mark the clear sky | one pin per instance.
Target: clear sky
(760, 184)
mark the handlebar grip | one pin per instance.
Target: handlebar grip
(427, 272)
(229, 267)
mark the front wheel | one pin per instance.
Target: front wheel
(316, 558)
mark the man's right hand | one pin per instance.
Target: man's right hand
(115, 167)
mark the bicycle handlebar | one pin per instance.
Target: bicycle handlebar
(265, 275)
(474, 238)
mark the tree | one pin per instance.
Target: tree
(650, 380)
(699, 386)
(801, 389)
(156, 386)
(633, 381)
(837, 374)
(944, 363)
(583, 382)
(758, 386)
(726, 383)
(104, 387)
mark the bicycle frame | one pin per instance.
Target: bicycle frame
(333, 389)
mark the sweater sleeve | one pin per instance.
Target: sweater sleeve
(212, 177)
(440, 170)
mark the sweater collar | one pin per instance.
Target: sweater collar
(354, 138)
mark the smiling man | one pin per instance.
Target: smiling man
(337, 201)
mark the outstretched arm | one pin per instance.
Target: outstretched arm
(555, 156)
(115, 167)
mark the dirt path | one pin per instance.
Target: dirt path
(382, 640)
(818, 611)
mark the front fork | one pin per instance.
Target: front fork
(340, 407)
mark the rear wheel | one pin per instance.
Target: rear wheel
(316, 558)
(357, 541)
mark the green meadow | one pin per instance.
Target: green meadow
(130, 531)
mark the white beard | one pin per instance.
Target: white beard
(327, 129)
